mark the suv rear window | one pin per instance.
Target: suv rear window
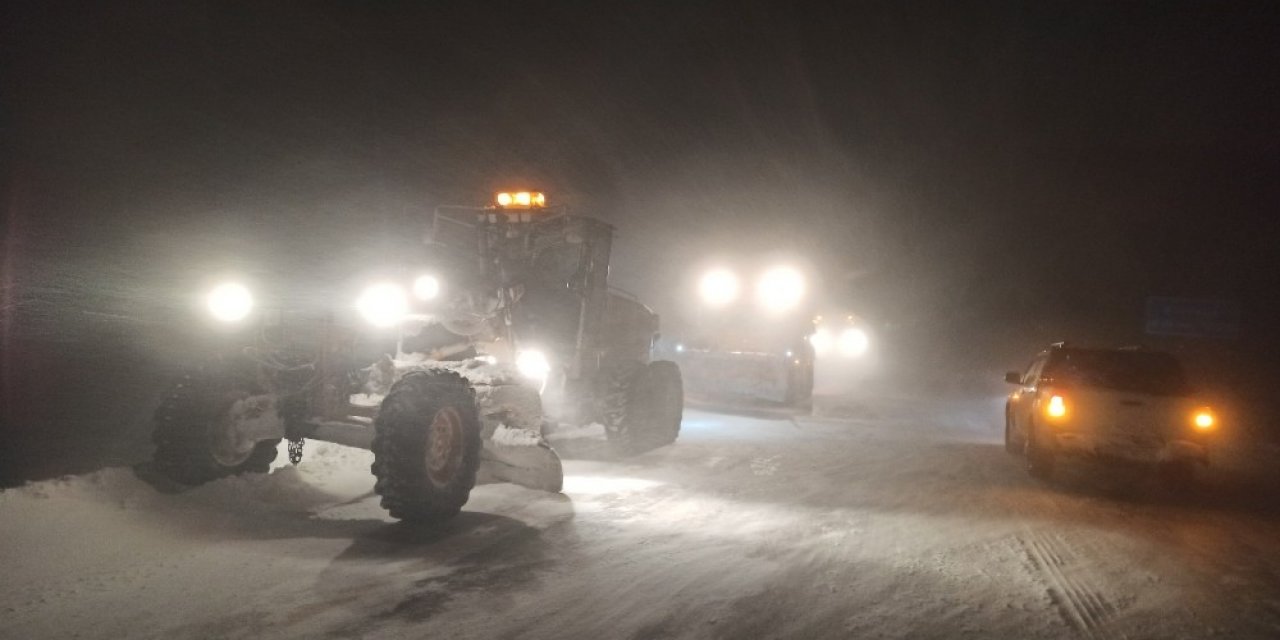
(1137, 371)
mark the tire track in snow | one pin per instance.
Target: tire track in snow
(1081, 604)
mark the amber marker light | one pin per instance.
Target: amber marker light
(521, 199)
(1057, 407)
(1203, 419)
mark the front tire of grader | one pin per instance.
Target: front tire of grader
(652, 409)
(188, 424)
(426, 446)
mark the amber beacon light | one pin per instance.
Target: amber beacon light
(520, 199)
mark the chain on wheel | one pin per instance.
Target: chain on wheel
(295, 450)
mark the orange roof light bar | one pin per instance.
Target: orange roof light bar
(520, 199)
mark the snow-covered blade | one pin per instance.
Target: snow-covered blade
(764, 376)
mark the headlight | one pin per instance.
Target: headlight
(533, 364)
(383, 305)
(426, 287)
(718, 287)
(821, 341)
(853, 343)
(230, 302)
(780, 289)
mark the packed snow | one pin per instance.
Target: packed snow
(869, 518)
(511, 437)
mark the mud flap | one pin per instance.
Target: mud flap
(520, 456)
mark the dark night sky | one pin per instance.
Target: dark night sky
(1035, 167)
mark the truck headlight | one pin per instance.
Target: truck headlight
(426, 287)
(780, 289)
(230, 302)
(533, 364)
(853, 343)
(383, 305)
(821, 341)
(718, 287)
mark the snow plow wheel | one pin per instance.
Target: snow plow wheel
(426, 446)
(187, 423)
(651, 409)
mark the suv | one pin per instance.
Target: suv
(1130, 405)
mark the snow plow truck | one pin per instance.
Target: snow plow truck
(506, 327)
(767, 343)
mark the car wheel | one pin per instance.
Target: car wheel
(1040, 460)
(1011, 444)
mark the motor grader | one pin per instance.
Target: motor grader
(509, 327)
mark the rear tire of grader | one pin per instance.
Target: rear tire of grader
(426, 446)
(191, 428)
(649, 406)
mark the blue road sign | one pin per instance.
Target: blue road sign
(1192, 317)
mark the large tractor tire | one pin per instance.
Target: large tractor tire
(647, 408)
(426, 446)
(191, 429)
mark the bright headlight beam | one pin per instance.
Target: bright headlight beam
(718, 287)
(230, 302)
(780, 288)
(533, 364)
(426, 287)
(383, 305)
(853, 342)
(821, 341)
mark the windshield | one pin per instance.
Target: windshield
(1137, 371)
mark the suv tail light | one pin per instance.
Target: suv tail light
(1056, 408)
(1203, 419)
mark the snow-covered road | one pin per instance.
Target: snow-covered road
(868, 519)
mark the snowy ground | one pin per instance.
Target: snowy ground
(872, 518)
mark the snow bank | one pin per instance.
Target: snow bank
(119, 486)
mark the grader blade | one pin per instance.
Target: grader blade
(520, 456)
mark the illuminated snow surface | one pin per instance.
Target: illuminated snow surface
(885, 519)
